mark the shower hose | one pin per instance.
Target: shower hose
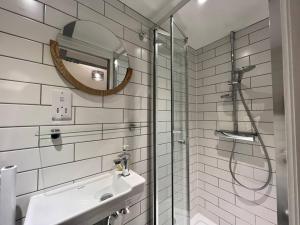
(261, 142)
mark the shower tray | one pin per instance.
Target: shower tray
(243, 136)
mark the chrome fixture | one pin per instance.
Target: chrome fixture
(115, 216)
(112, 218)
(243, 70)
(123, 161)
(236, 81)
(142, 36)
(226, 96)
(55, 133)
(125, 211)
(243, 136)
(181, 142)
(233, 80)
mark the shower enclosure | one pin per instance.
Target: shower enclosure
(170, 95)
(238, 164)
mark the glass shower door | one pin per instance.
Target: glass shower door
(179, 127)
(170, 128)
(162, 131)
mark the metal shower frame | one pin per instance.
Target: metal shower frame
(155, 57)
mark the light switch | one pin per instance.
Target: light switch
(61, 105)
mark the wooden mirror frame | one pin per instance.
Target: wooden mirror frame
(54, 49)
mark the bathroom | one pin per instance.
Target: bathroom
(141, 112)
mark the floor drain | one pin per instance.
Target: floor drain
(106, 196)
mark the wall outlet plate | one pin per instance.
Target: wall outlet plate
(61, 105)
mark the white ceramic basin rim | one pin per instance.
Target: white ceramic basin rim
(72, 203)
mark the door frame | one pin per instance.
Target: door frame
(290, 18)
(287, 17)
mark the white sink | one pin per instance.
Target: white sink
(81, 203)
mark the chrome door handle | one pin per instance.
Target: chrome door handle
(181, 141)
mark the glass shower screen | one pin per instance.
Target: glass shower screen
(171, 189)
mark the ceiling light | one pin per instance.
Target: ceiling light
(201, 2)
(97, 75)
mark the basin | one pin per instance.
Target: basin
(85, 202)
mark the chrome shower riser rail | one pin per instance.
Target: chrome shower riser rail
(236, 80)
(234, 88)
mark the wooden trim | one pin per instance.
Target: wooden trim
(54, 49)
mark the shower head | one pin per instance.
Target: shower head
(243, 70)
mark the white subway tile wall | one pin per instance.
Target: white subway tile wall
(27, 78)
(213, 193)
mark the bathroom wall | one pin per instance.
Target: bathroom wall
(27, 78)
(218, 198)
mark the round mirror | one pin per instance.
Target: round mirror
(91, 58)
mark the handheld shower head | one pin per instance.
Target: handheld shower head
(243, 70)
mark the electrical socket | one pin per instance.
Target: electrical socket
(61, 105)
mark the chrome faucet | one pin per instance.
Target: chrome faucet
(123, 161)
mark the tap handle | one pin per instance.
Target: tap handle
(124, 147)
(117, 161)
(125, 153)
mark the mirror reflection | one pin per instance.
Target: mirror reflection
(93, 55)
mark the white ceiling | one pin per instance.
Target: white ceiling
(152, 9)
(208, 22)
